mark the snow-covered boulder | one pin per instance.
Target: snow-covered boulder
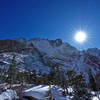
(8, 95)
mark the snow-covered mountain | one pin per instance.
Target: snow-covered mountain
(41, 54)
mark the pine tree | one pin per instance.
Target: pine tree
(81, 94)
(2, 75)
(76, 80)
(33, 77)
(52, 76)
(48, 95)
(92, 81)
(12, 71)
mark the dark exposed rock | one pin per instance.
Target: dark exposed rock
(56, 42)
(28, 98)
(10, 46)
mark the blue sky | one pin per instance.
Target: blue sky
(51, 19)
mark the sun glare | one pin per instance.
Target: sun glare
(80, 36)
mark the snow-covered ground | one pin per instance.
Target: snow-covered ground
(37, 91)
(40, 91)
(8, 95)
(56, 94)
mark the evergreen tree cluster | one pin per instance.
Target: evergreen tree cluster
(75, 80)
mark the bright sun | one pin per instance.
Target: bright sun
(80, 36)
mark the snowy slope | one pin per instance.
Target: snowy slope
(39, 92)
(8, 95)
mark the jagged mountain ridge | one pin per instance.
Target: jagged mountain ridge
(41, 54)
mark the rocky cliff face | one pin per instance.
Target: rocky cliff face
(41, 54)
